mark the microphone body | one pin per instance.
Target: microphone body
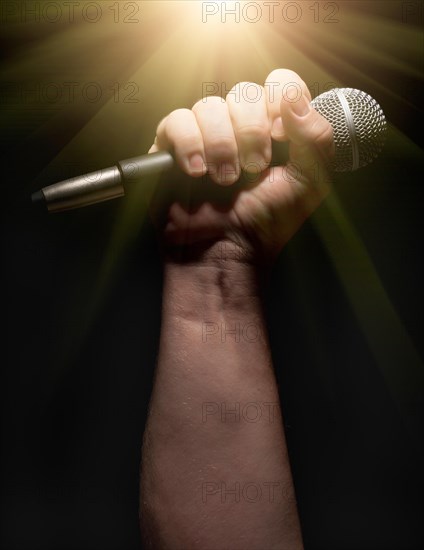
(359, 129)
(104, 184)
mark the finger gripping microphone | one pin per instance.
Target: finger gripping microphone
(359, 129)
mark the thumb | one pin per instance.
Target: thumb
(311, 141)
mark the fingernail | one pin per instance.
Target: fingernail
(254, 162)
(277, 127)
(227, 173)
(196, 163)
(301, 107)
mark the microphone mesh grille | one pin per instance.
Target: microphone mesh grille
(369, 124)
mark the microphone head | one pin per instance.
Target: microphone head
(359, 126)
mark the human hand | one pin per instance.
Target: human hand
(244, 200)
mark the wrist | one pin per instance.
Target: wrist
(218, 277)
(232, 251)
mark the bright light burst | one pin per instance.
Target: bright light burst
(170, 50)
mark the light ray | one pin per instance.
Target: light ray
(193, 52)
(392, 347)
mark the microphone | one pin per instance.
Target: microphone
(359, 129)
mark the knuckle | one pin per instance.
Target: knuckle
(283, 75)
(221, 145)
(290, 75)
(287, 78)
(187, 139)
(245, 91)
(234, 90)
(258, 132)
(179, 113)
(179, 126)
(207, 101)
(175, 117)
(184, 135)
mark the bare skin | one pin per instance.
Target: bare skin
(215, 469)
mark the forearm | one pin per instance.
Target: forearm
(215, 470)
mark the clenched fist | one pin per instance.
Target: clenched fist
(234, 194)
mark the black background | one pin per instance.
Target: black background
(76, 378)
